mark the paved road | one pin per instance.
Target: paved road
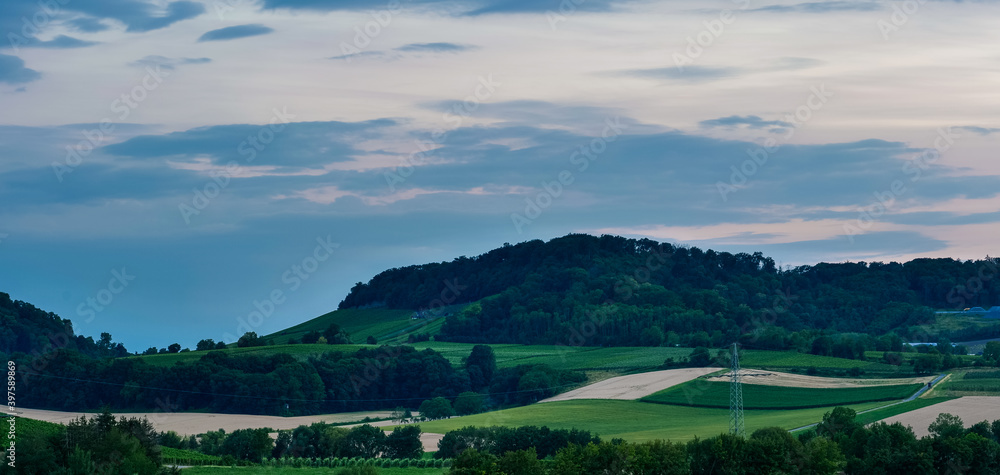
(911, 398)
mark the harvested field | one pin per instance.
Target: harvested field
(633, 386)
(775, 378)
(191, 423)
(971, 409)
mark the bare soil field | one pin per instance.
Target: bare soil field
(633, 386)
(191, 423)
(971, 409)
(774, 378)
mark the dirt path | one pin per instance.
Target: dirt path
(774, 378)
(633, 386)
(191, 423)
(971, 409)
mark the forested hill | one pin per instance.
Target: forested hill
(27, 329)
(642, 292)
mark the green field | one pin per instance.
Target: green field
(897, 409)
(972, 382)
(634, 420)
(703, 393)
(304, 471)
(785, 360)
(376, 322)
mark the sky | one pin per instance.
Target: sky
(172, 170)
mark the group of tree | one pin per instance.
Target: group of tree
(321, 440)
(613, 291)
(26, 329)
(498, 440)
(280, 384)
(101, 444)
(840, 444)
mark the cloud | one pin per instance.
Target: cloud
(751, 121)
(287, 147)
(480, 7)
(435, 48)
(62, 42)
(360, 55)
(407, 50)
(979, 130)
(691, 73)
(701, 74)
(87, 25)
(791, 63)
(162, 62)
(821, 7)
(136, 15)
(235, 32)
(12, 71)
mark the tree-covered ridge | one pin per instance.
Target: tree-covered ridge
(27, 329)
(641, 292)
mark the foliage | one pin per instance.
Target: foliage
(29, 330)
(469, 403)
(404, 443)
(437, 408)
(101, 444)
(497, 440)
(247, 444)
(243, 381)
(249, 339)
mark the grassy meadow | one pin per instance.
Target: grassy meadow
(634, 420)
(702, 393)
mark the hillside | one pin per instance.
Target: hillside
(27, 329)
(613, 291)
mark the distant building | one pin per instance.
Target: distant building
(994, 312)
(976, 310)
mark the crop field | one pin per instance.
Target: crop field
(901, 408)
(361, 324)
(966, 360)
(173, 456)
(971, 383)
(634, 420)
(755, 396)
(763, 359)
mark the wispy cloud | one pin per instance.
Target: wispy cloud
(750, 121)
(235, 32)
(162, 62)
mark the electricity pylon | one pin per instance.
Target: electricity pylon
(736, 397)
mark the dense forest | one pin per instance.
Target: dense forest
(26, 329)
(613, 291)
(279, 384)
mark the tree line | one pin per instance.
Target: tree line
(280, 384)
(839, 444)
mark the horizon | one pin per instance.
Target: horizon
(180, 160)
